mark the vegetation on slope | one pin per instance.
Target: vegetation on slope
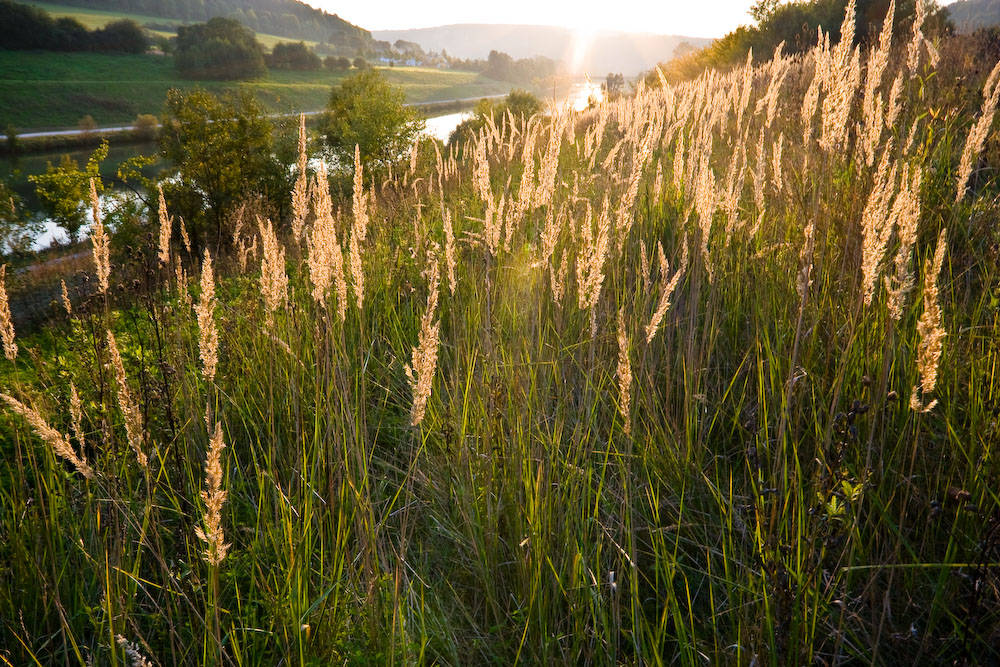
(796, 26)
(703, 375)
(286, 18)
(46, 90)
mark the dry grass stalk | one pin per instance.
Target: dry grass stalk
(705, 204)
(359, 199)
(550, 162)
(208, 332)
(421, 373)
(214, 496)
(6, 322)
(624, 374)
(273, 279)
(668, 289)
(132, 654)
(481, 170)
(871, 105)
(590, 262)
(165, 230)
(326, 260)
(56, 440)
(917, 40)
(778, 147)
(558, 279)
(647, 279)
(930, 329)
(906, 214)
(977, 136)
(449, 251)
(841, 82)
(876, 224)
(300, 195)
(184, 235)
(67, 304)
(102, 246)
(357, 271)
(130, 410)
(76, 413)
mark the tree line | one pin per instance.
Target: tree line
(286, 18)
(25, 27)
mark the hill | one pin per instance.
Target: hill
(969, 15)
(604, 52)
(285, 18)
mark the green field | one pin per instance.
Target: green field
(98, 18)
(54, 90)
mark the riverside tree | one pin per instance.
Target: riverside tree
(365, 111)
(224, 151)
(64, 190)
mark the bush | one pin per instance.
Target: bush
(366, 111)
(221, 49)
(520, 103)
(223, 150)
(294, 56)
(337, 63)
(146, 126)
(124, 36)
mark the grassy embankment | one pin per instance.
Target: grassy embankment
(55, 90)
(718, 386)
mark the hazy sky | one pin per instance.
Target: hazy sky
(693, 18)
(698, 18)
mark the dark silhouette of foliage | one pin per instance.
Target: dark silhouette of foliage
(220, 49)
(29, 27)
(286, 18)
(293, 56)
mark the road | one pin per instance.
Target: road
(125, 128)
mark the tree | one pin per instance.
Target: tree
(294, 56)
(125, 36)
(16, 233)
(337, 63)
(520, 103)
(360, 63)
(223, 152)
(613, 85)
(364, 110)
(64, 191)
(220, 49)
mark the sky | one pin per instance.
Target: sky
(692, 18)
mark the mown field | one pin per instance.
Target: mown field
(706, 374)
(54, 90)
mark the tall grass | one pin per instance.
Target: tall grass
(657, 412)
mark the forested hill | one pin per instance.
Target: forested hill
(286, 18)
(969, 15)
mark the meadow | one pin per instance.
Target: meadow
(702, 375)
(47, 90)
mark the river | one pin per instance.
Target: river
(15, 172)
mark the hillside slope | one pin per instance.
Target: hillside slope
(286, 18)
(969, 15)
